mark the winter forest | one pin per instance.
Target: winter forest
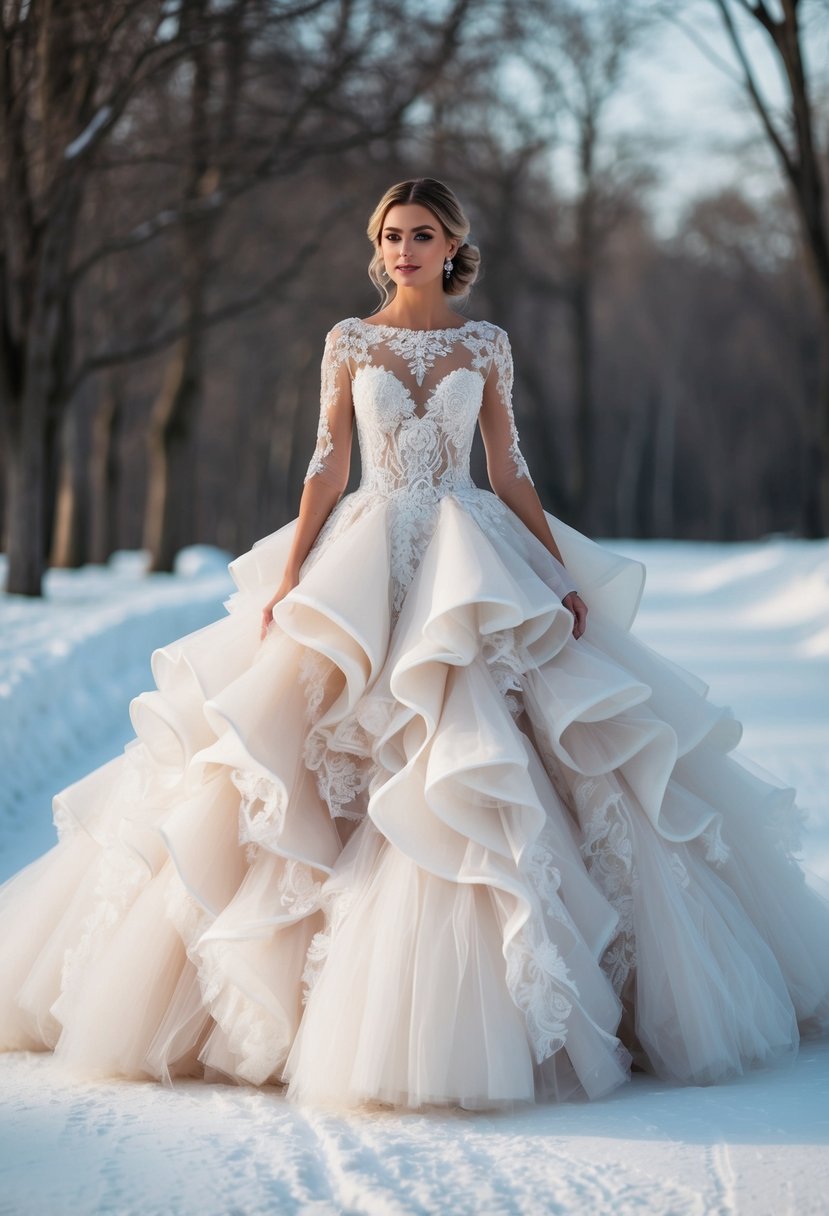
(185, 186)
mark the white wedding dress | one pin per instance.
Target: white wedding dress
(421, 845)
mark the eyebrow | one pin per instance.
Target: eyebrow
(419, 228)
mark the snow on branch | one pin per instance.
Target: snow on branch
(79, 145)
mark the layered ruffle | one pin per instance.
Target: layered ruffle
(446, 854)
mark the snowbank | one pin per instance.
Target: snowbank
(69, 665)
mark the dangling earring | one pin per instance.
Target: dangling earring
(447, 267)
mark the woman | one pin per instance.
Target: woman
(417, 831)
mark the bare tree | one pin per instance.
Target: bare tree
(581, 66)
(69, 74)
(793, 138)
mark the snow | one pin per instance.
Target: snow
(69, 665)
(751, 619)
(82, 141)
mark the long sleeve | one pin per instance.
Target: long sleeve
(331, 460)
(507, 469)
(504, 462)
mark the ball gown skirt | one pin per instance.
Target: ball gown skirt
(420, 845)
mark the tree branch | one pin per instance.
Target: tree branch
(226, 312)
(754, 92)
(704, 46)
(288, 153)
(759, 12)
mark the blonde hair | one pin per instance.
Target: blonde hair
(443, 204)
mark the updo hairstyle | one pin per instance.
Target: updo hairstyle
(443, 204)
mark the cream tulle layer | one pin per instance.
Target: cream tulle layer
(547, 862)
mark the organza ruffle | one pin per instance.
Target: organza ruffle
(446, 854)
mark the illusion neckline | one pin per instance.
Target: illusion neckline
(402, 329)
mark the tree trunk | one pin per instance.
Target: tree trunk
(664, 457)
(300, 443)
(169, 522)
(24, 507)
(34, 409)
(71, 512)
(797, 150)
(105, 472)
(26, 492)
(823, 435)
(583, 374)
(582, 314)
(170, 519)
(629, 468)
(815, 502)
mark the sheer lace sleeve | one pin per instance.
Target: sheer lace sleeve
(331, 460)
(504, 461)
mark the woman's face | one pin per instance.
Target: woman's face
(414, 245)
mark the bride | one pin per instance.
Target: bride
(419, 828)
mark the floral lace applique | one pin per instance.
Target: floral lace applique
(262, 808)
(507, 661)
(537, 976)
(298, 892)
(420, 348)
(336, 908)
(314, 670)
(679, 869)
(340, 758)
(717, 851)
(537, 979)
(342, 343)
(503, 362)
(607, 849)
(341, 778)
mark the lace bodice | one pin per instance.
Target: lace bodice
(417, 395)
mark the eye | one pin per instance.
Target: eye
(427, 236)
(392, 236)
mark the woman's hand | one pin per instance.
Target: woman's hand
(288, 583)
(575, 604)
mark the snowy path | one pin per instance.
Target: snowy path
(756, 1146)
(751, 620)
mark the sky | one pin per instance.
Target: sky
(696, 125)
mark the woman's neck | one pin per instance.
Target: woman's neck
(418, 309)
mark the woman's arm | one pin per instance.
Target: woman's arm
(509, 475)
(328, 470)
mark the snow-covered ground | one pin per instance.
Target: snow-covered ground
(751, 619)
(69, 665)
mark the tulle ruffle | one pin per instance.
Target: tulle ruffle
(445, 854)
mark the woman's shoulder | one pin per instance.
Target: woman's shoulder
(492, 330)
(344, 327)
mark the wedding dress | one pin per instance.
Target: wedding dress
(420, 845)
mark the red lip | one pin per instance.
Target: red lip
(407, 267)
